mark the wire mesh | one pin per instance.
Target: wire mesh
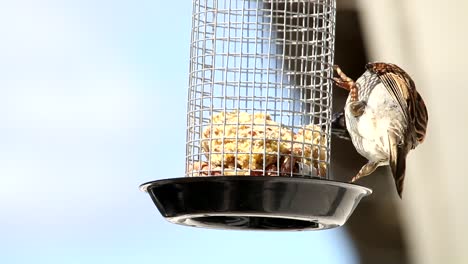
(259, 99)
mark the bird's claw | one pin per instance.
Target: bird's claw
(340, 83)
(343, 81)
(366, 170)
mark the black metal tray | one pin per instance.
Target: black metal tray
(255, 202)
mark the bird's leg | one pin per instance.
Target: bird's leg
(367, 169)
(346, 83)
(357, 108)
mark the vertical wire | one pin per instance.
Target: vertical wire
(249, 41)
(257, 25)
(201, 44)
(268, 69)
(191, 119)
(331, 45)
(309, 107)
(320, 86)
(282, 73)
(313, 70)
(239, 100)
(225, 67)
(203, 82)
(298, 62)
(212, 80)
(303, 79)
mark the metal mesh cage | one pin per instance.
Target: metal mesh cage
(259, 99)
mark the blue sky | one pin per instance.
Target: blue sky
(92, 104)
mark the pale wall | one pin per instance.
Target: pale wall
(429, 39)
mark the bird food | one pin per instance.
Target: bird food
(239, 143)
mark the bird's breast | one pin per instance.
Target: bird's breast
(369, 132)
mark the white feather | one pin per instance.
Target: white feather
(369, 132)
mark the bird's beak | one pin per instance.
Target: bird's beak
(338, 120)
(338, 125)
(369, 66)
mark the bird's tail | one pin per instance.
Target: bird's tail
(399, 173)
(397, 162)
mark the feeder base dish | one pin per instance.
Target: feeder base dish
(255, 202)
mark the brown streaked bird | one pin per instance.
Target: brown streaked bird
(385, 117)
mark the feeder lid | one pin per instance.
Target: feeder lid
(255, 202)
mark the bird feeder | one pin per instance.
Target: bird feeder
(258, 120)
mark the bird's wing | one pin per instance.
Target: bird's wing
(402, 88)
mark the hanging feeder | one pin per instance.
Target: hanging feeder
(258, 120)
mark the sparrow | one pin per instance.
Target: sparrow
(385, 117)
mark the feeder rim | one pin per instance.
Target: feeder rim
(144, 187)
